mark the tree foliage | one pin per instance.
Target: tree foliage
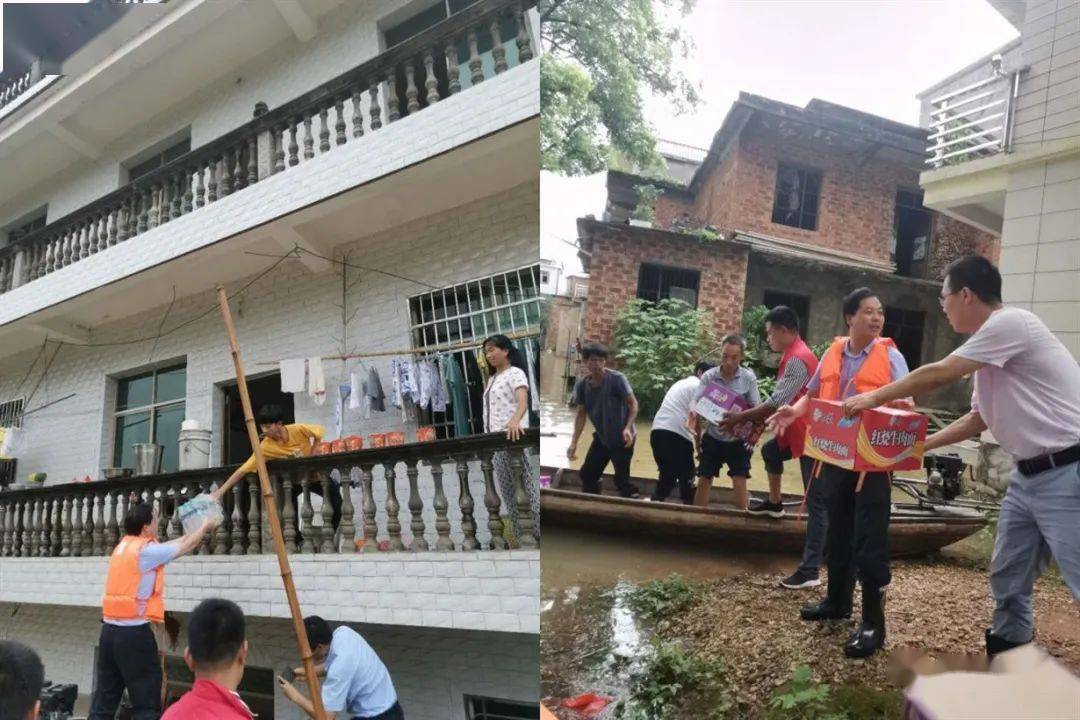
(602, 57)
(657, 344)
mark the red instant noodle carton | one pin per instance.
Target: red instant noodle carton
(879, 440)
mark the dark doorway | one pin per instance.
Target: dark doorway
(906, 327)
(265, 390)
(912, 228)
(256, 688)
(799, 303)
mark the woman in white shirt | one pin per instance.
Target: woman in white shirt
(506, 407)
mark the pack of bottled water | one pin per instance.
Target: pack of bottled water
(198, 509)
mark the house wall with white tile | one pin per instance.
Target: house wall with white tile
(433, 669)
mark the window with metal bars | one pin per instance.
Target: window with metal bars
(795, 201)
(460, 317)
(11, 413)
(657, 282)
(484, 708)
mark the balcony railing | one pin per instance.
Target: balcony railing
(973, 121)
(407, 79)
(85, 519)
(38, 76)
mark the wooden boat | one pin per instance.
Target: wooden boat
(915, 528)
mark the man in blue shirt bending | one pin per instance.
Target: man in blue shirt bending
(357, 683)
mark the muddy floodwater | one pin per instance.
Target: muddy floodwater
(591, 638)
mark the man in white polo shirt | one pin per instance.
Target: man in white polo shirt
(673, 445)
(1027, 392)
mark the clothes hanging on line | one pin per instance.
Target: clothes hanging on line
(316, 380)
(440, 396)
(355, 391)
(293, 375)
(344, 393)
(395, 384)
(373, 391)
(459, 396)
(410, 380)
(425, 375)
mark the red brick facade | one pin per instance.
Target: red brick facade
(856, 208)
(952, 239)
(617, 256)
(856, 214)
(669, 209)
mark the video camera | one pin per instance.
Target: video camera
(58, 701)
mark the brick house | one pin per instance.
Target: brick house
(308, 156)
(803, 205)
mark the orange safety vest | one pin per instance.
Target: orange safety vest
(875, 371)
(122, 584)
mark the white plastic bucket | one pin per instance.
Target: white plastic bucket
(194, 449)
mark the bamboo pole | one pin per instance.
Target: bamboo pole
(270, 511)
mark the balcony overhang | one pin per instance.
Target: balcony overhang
(465, 173)
(153, 59)
(974, 191)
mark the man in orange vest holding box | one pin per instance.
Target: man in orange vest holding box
(134, 598)
(858, 520)
(1027, 393)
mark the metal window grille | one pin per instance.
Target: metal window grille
(485, 708)
(795, 199)
(506, 302)
(657, 282)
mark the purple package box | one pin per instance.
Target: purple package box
(717, 400)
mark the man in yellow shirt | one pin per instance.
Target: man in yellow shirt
(285, 441)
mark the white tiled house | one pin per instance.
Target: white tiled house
(187, 144)
(1006, 157)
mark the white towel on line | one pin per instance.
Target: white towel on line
(316, 380)
(292, 375)
(356, 390)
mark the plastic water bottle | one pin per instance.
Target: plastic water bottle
(197, 509)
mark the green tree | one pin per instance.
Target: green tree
(602, 57)
(657, 344)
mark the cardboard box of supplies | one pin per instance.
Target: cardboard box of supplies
(878, 440)
(717, 401)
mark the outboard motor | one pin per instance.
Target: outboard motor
(943, 475)
(58, 701)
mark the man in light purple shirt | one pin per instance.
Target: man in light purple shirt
(1027, 392)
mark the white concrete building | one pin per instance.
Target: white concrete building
(551, 272)
(1006, 157)
(361, 177)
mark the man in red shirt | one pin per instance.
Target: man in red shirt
(216, 653)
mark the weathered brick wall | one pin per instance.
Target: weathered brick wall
(669, 209)
(856, 208)
(714, 200)
(616, 261)
(952, 239)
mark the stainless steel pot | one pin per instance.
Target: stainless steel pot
(148, 458)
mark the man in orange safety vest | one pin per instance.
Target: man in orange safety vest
(134, 598)
(858, 535)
